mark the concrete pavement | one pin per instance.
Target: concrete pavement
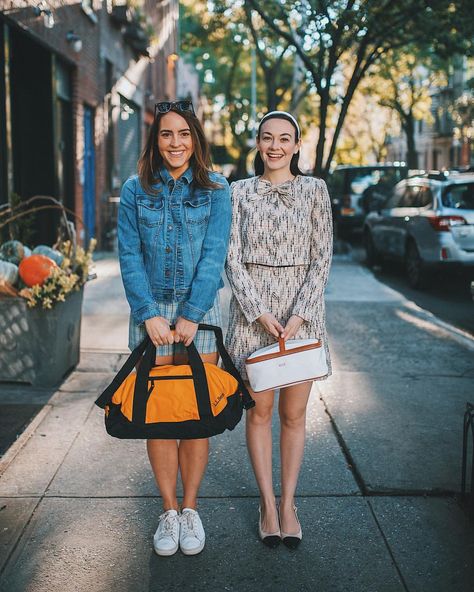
(375, 497)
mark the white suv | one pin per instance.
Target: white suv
(427, 222)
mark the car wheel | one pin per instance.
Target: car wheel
(343, 233)
(416, 275)
(372, 256)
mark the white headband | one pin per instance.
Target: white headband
(289, 115)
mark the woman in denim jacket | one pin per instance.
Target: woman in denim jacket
(173, 231)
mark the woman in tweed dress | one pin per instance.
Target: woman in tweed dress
(173, 230)
(278, 263)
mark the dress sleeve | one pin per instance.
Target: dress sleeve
(240, 281)
(312, 289)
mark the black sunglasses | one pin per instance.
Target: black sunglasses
(165, 106)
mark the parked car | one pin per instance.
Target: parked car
(427, 223)
(355, 189)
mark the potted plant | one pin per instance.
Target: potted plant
(41, 290)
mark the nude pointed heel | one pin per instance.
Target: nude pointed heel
(271, 539)
(291, 540)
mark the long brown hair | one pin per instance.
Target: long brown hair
(150, 159)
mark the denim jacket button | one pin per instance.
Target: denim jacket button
(170, 227)
(168, 249)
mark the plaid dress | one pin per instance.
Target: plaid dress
(204, 340)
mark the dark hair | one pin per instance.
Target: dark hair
(150, 159)
(258, 162)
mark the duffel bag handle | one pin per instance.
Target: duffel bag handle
(146, 352)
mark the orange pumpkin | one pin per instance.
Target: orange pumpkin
(35, 269)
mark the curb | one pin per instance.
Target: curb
(23, 438)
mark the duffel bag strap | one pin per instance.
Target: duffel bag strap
(229, 365)
(122, 374)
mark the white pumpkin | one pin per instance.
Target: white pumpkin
(8, 272)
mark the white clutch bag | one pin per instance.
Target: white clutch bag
(286, 363)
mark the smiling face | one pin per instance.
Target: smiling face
(175, 143)
(277, 144)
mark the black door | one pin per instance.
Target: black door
(3, 121)
(34, 171)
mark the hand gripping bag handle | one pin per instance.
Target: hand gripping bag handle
(146, 352)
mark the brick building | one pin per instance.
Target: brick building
(78, 85)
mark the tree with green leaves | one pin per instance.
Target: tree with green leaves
(321, 32)
(218, 41)
(404, 82)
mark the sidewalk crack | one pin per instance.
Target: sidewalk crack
(345, 450)
(388, 547)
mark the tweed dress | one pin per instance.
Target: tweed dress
(278, 261)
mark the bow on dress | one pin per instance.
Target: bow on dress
(285, 191)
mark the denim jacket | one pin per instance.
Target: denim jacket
(173, 245)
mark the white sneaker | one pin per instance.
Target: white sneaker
(166, 539)
(191, 537)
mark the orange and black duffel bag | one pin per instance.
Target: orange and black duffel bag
(195, 400)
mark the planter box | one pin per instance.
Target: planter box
(39, 346)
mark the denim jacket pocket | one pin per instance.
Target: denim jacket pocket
(150, 210)
(197, 208)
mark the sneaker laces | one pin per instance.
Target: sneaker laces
(168, 526)
(190, 524)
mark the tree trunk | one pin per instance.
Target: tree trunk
(465, 152)
(323, 112)
(272, 101)
(241, 165)
(409, 129)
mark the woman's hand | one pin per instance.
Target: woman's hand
(158, 329)
(292, 327)
(270, 324)
(185, 331)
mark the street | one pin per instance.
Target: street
(377, 492)
(448, 296)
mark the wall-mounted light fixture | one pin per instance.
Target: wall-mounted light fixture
(74, 41)
(48, 17)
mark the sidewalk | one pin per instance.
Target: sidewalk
(78, 509)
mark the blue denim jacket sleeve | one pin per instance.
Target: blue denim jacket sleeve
(213, 255)
(135, 279)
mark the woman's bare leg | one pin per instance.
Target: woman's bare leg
(258, 428)
(163, 455)
(292, 410)
(192, 458)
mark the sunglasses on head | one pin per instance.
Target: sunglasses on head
(165, 106)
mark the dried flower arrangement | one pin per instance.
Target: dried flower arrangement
(44, 275)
